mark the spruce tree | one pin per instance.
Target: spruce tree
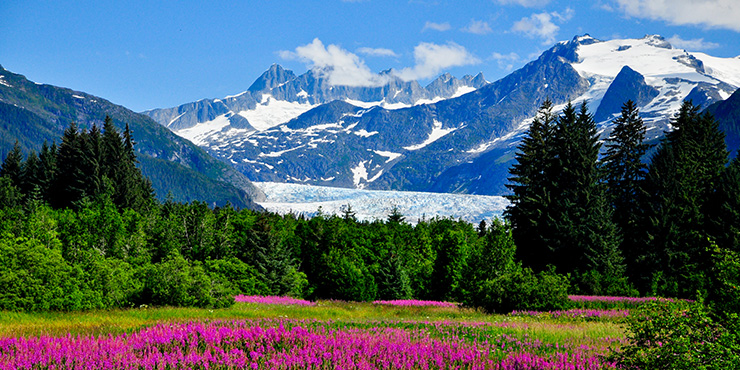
(12, 166)
(681, 178)
(724, 219)
(624, 177)
(70, 183)
(47, 170)
(577, 240)
(531, 186)
(29, 175)
(93, 161)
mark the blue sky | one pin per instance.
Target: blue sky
(155, 54)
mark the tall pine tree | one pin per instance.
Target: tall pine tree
(724, 219)
(70, 185)
(625, 176)
(12, 165)
(530, 184)
(47, 170)
(681, 178)
(585, 237)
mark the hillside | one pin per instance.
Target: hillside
(33, 113)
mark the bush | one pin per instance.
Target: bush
(593, 282)
(179, 282)
(522, 289)
(35, 278)
(664, 336)
(245, 278)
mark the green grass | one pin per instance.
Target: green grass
(341, 313)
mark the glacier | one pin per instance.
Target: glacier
(369, 205)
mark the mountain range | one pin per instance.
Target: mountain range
(451, 136)
(455, 136)
(32, 113)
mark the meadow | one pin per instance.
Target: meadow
(283, 334)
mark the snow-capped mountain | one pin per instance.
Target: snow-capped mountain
(278, 96)
(464, 144)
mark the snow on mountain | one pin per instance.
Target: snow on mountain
(271, 112)
(673, 72)
(437, 133)
(377, 204)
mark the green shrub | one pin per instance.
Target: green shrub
(178, 282)
(245, 278)
(662, 335)
(35, 278)
(522, 289)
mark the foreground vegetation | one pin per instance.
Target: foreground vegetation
(326, 334)
(286, 333)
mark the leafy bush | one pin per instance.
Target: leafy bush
(35, 278)
(522, 289)
(594, 282)
(245, 278)
(179, 282)
(664, 336)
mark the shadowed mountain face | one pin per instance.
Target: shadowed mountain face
(727, 113)
(32, 113)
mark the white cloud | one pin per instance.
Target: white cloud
(478, 27)
(538, 26)
(436, 26)
(432, 58)
(693, 44)
(506, 61)
(339, 66)
(709, 13)
(525, 3)
(542, 25)
(377, 52)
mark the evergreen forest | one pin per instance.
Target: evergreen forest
(81, 229)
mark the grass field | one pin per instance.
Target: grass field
(329, 334)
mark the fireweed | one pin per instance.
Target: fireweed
(272, 300)
(304, 344)
(416, 303)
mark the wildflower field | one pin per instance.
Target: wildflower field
(280, 333)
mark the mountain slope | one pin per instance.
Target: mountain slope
(727, 113)
(33, 113)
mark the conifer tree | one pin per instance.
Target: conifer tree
(682, 175)
(47, 170)
(29, 174)
(625, 175)
(585, 237)
(724, 220)
(12, 166)
(93, 160)
(70, 183)
(531, 187)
